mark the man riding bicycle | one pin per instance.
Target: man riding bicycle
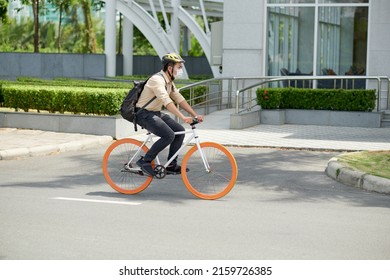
(154, 120)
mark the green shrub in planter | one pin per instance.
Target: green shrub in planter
(1, 93)
(269, 98)
(316, 99)
(64, 95)
(98, 101)
(67, 82)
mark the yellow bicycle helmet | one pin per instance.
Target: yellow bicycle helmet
(172, 58)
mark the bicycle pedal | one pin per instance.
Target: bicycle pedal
(140, 172)
(173, 173)
(133, 170)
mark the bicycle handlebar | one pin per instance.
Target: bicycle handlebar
(194, 121)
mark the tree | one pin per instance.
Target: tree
(90, 39)
(35, 5)
(63, 6)
(3, 10)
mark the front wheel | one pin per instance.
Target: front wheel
(121, 174)
(215, 182)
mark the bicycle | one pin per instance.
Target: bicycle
(212, 168)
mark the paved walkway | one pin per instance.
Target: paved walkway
(216, 128)
(18, 143)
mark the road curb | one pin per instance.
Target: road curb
(354, 178)
(43, 150)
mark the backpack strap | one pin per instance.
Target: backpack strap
(150, 101)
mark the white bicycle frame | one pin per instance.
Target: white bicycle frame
(194, 135)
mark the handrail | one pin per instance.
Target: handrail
(284, 78)
(227, 90)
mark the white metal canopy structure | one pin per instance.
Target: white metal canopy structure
(143, 14)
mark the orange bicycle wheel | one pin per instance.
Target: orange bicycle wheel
(122, 177)
(219, 180)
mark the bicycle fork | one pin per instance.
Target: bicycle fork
(203, 156)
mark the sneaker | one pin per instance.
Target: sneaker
(175, 169)
(146, 166)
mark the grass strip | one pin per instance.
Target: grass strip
(372, 162)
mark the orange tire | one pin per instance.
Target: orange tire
(115, 159)
(219, 180)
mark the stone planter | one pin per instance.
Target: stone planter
(114, 126)
(243, 120)
(275, 117)
(306, 117)
(334, 118)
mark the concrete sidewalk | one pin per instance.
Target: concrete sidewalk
(21, 143)
(18, 143)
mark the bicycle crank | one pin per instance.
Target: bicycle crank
(160, 172)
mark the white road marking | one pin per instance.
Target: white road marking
(98, 201)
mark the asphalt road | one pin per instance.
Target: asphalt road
(282, 207)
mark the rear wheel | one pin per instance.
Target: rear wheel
(218, 180)
(122, 176)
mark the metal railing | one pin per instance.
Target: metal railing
(315, 79)
(228, 92)
(205, 99)
(224, 96)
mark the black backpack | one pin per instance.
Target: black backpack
(128, 109)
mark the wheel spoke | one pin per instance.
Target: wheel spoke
(114, 167)
(222, 176)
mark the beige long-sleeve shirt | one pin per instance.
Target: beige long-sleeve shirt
(165, 92)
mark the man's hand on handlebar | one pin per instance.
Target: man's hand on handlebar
(193, 120)
(199, 118)
(187, 120)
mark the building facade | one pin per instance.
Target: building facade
(324, 37)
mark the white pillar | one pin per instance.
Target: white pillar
(127, 46)
(175, 25)
(110, 38)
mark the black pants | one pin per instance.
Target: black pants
(164, 126)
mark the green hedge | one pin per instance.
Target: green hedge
(1, 94)
(98, 101)
(316, 99)
(71, 82)
(68, 95)
(45, 102)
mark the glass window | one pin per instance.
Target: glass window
(337, 47)
(291, 1)
(290, 40)
(342, 1)
(342, 40)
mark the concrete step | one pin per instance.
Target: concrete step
(386, 113)
(386, 119)
(385, 125)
